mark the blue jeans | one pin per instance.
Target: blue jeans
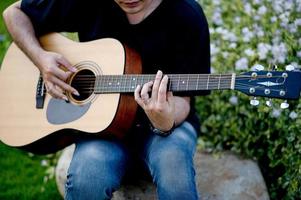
(99, 166)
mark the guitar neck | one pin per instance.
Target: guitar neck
(177, 82)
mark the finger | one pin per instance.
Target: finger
(65, 86)
(145, 90)
(156, 85)
(137, 96)
(54, 92)
(163, 90)
(64, 62)
(59, 95)
(61, 74)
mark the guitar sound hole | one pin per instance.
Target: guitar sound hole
(83, 82)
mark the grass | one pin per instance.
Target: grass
(23, 177)
(21, 174)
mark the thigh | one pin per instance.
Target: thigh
(170, 162)
(96, 169)
(183, 138)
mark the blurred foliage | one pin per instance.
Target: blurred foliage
(24, 175)
(259, 31)
(269, 135)
(4, 37)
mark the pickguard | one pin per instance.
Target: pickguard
(61, 112)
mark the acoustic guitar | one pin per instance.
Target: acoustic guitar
(107, 75)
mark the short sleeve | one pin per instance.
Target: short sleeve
(52, 15)
(192, 45)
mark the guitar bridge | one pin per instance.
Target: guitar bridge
(40, 93)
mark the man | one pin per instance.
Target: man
(171, 37)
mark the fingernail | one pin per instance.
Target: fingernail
(65, 98)
(76, 93)
(73, 69)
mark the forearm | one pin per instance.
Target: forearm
(182, 108)
(22, 32)
(49, 63)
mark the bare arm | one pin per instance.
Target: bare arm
(21, 29)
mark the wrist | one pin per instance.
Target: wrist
(160, 132)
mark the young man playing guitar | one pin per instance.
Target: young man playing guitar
(172, 37)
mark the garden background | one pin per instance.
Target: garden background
(244, 33)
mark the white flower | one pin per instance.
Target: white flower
(263, 50)
(237, 19)
(256, 17)
(233, 100)
(262, 10)
(229, 36)
(233, 45)
(217, 17)
(249, 52)
(225, 54)
(298, 22)
(293, 115)
(216, 2)
(299, 54)
(276, 113)
(214, 49)
(211, 30)
(258, 30)
(292, 28)
(257, 67)
(257, 2)
(242, 64)
(273, 19)
(295, 65)
(288, 5)
(248, 8)
(247, 34)
(284, 17)
(279, 52)
(44, 163)
(278, 8)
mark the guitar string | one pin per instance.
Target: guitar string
(241, 86)
(200, 80)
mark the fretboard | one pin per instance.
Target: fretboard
(177, 82)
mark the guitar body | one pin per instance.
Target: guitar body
(58, 123)
(107, 75)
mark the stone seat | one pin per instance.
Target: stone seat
(224, 177)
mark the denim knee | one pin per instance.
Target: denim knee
(170, 161)
(96, 170)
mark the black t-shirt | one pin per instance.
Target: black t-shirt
(173, 38)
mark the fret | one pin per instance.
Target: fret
(219, 81)
(208, 80)
(187, 82)
(197, 83)
(177, 82)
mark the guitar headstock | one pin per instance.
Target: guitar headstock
(271, 84)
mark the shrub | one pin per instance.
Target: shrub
(245, 33)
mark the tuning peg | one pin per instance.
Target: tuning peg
(269, 103)
(254, 102)
(258, 67)
(289, 68)
(284, 105)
